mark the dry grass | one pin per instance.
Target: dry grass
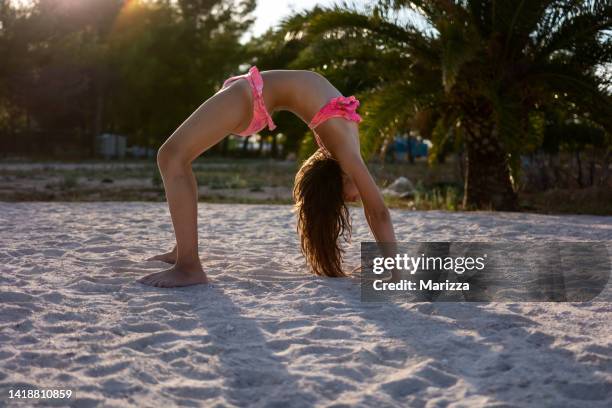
(253, 181)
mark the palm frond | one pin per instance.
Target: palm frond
(445, 136)
(576, 33)
(558, 79)
(459, 43)
(353, 25)
(388, 109)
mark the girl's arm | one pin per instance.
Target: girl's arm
(376, 211)
(341, 138)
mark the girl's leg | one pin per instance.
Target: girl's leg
(168, 257)
(225, 112)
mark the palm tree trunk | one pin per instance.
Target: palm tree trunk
(579, 165)
(97, 120)
(487, 177)
(411, 144)
(261, 144)
(603, 180)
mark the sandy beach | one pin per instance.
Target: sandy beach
(265, 332)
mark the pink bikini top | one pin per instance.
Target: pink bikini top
(261, 116)
(339, 107)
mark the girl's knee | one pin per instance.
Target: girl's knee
(170, 155)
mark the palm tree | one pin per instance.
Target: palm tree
(476, 73)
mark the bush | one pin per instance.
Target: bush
(69, 181)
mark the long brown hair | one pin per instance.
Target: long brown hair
(322, 216)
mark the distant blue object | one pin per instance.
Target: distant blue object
(420, 150)
(110, 145)
(403, 146)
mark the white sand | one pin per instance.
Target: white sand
(265, 333)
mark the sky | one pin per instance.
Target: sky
(271, 12)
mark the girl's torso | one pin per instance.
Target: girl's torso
(301, 92)
(304, 93)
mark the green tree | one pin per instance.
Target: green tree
(54, 72)
(136, 67)
(11, 55)
(479, 71)
(170, 57)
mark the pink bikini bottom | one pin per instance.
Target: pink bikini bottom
(261, 116)
(338, 107)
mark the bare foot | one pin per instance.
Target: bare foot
(176, 276)
(168, 257)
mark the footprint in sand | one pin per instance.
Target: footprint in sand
(106, 369)
(401, 388)
(585, 391)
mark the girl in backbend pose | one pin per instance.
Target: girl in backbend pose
(333, 175)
